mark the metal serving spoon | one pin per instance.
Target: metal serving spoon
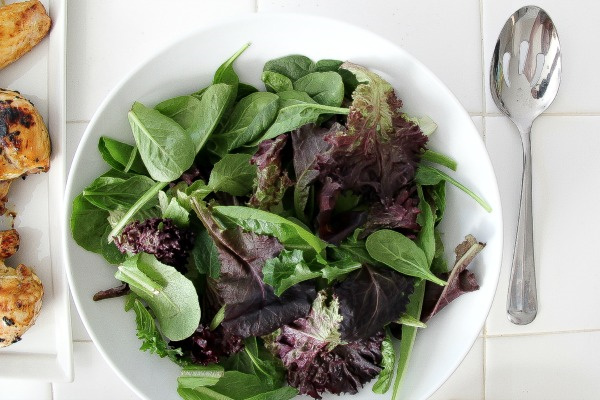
(524, 79)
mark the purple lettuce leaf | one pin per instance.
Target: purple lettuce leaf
(370, 298)
(376, 155)
(318, 360)
(272, 181)
(252, 308)
(460, 280)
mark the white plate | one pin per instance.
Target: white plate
(187, 65)
(45, 352)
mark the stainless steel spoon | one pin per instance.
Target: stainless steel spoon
(524, 80)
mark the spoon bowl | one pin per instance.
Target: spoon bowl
(524, 80)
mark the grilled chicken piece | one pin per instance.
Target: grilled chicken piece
(4, 186)
(21, 294)
(22, 26)
(24, 139)
(9, 243)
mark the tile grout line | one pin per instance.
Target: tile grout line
(484, 132)
(544, 333)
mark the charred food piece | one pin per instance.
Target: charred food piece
(21, 294)
(24, 139)
(22, 26)
(9, 243)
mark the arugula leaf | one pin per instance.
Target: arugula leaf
(148, 333)
(233, 174)
(171, 209)
(400, 253)
(164, 146)
(170, 295)
(262, 222)
(287, 269)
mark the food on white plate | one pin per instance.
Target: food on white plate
(24, 141)
(22, 26)
(277, 242)
(9, 243)
(21, 293)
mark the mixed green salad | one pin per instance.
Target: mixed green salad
(277, 242)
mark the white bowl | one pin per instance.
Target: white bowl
(186, 65)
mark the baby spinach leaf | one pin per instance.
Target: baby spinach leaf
(325, 88)
(121, 156)
(118, 194)
(193, 376)
(148, 333)
(400, 253)
(293, 66)
(206, 255)
(225, 73)
(261, 222)
(88, 224)
(187, 111)
(244, 90)
(265, 366)
(233, 174)
(327, 65)
(164, 146)
(250, 117)
(427, 175)
(287, 269)
(276, 82)
(283, 393)
(439, 158)
(214, 104)
(296, 113)
(171, 296)
(148, 196)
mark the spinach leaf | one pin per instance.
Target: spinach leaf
(165, 147)
(88, 224)
(439, 158)
(171, 296)
(148, 333)
(118, 194)
(400, 253)
(276, 82)
(121, 156)
(244, 90)
(193, 376)
(409, 333)
(287, 269)
(384, 381)
(233, 174)
(426, 237)
(325, 88)
(293, 66)
(214, 104)
(290, 234)
(188, 112)
(327, 65)
(225, 73)
(206, 255)
(250, 117)
(266, 367)
(109, 250)
(149, 196)
(427, 175)
(295, 112)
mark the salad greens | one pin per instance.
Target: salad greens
(274, 242)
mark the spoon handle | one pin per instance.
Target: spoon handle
(522, 296)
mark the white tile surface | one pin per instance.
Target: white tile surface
(25, 390)
(444, 35)
(579, 35)
(543, 367)
(466, 383)
(94, 380)
(565, 166)
(114, 36)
